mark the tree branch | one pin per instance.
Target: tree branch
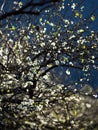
(23, 10)
(61, 65)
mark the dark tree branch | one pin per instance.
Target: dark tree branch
(23, 10)
(61, 65)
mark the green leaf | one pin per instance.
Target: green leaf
(82, 61)
(13, 28)
(84, 47)
(20, 3)
(33, 26)
(92, 17)
(77, 14)
(47, 22)
(80, 31)
(75, 112)
(40, 19)
(80, 15)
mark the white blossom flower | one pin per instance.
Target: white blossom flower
(88, 105)
(44, 30)
(81, 80)
(73, 36)
(64, 43)
(47, 101)
(67, 72)
(80, 31)
(53, 43)
(75, 90)
(57, 62)
(93, 57)
(66, 21)
(45, 77)
(42, 44)
(72, 22)
(40, 107)
(1, 32)
(73, 6)
(10, 41)
(95, 95)
(51, 24)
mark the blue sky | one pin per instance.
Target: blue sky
(89, 6)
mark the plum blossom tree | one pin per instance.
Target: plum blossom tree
(37, 39)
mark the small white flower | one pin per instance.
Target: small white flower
(95, 95)
(10, 41)
(57, 62)
(72, 22)
(73, 6)
(81, 80)
(15, 2)
(87, 94)
(42, 44)
(72, 122)
(82, 8)
(59, 34)
(53, 92)
(88, 105)
(66, 21)
(93, 57)
(39, 108)
(53, 43)
(70, 63)
(44, 30)
(67, 72)
(51, 24)
(73, 36)
(75, 90)
(80, 31)
(87, 79)
(46, 11)
(0, 32)
(47, 101)
(64, 43)
(45, 76)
